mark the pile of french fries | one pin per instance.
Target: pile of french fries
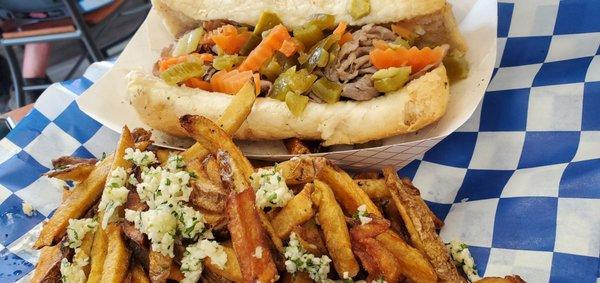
(372, 227)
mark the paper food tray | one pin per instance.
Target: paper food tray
(107, 100)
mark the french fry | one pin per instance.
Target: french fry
(247, 235)
(275, 240)
(47, 268)
(298, 277)
(301, 170)
(138, 275)
(81, 198)
(162, 155)
(212, 170)
(205, 196)
(97, 255)
(215, 139)
(346, 190)
(231, 271)
(366, 175)
(295, 146)
(506, 279)
(310, 238)
(66, 161)
(372, 229)
(159, 267)
(333, 222)
(175, 273)
(234, 115)
(116, 262)
(375, 188)
(420, 227)
(396, 222)
(382, 260)
(297, 211)
(76, 172)
(86, 247)
(411, 263)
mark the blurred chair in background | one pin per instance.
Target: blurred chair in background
(36, 23)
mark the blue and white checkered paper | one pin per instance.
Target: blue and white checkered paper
(519, 182)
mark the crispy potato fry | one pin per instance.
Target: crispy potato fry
(375, 188)
(213, 138)
(138, 275)
(333, 222)
(97, 255)
(276, 242)
(159, 267)
(86, 247)
(206, 195)
(420, 227)
(411, 263)
(125, 142)
(295, 146)
(162, 155)
(396, 223)
(83, 196)
(234, 115)
(247, 234)
(66, 161)
(212, 170)
(383, 262)
(76, 172)
(297, 211)
(366, 175)
(298, 277)
(116, 262)
(175, 273)
(231, 271)
(301, 170)
(506, 279)
(346, 190)
(372, 229)
(310, 238)
(47, 268)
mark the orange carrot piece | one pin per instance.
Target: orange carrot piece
(345, 38)
(256, 77)
(288, 48)
(198, 83)
(340, 29)
(398, 57)
(207, 57)
(403, 32)
(165, 63)
(229, 82)
(265, 49)
(229, 39)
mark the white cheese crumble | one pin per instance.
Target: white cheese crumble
(73, 272)
(139, 158)
(270, 187)
(258, 252)
(297, 259)
(159, 224)
(114, 194)
(191, 263)
(463, 259)
(161, 187)
(27, 209)
(361, 215)
(77, 229)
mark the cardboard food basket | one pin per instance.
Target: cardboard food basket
(107, 100)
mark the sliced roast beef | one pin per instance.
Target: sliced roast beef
(361, 89)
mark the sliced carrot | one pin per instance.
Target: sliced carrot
(288, 48)
(197, 83)
(398, 57)
(229, 82)
(256, 77)
(403, 32)
(165, 63)
(345, 38)
(340, 29)
(229, 39)
(380, 44)
(265, 49)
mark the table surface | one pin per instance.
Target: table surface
(18, 114)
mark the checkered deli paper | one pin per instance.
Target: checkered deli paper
(519, 182)
(108, 101)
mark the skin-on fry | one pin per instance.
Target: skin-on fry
(234, 115)
(382, 262)
(412, 264)
(138, 275)
(76, 172)
(206, 195)
(159, 267)
(66, 161)
(506, 279)
(421, 228)
(86, 247)
(47, 268)
(231, 271)
(247, 235)
(375, 188)
(97, 255)
(82, 197)
(175, 273)
(301, 170)
(125, 142)
(366, 175)
(211, 167)
(310, 238)
(116, 262)
(298, 277)
(297, 211)
(213, 138)
(295, 146)
(333, 222)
